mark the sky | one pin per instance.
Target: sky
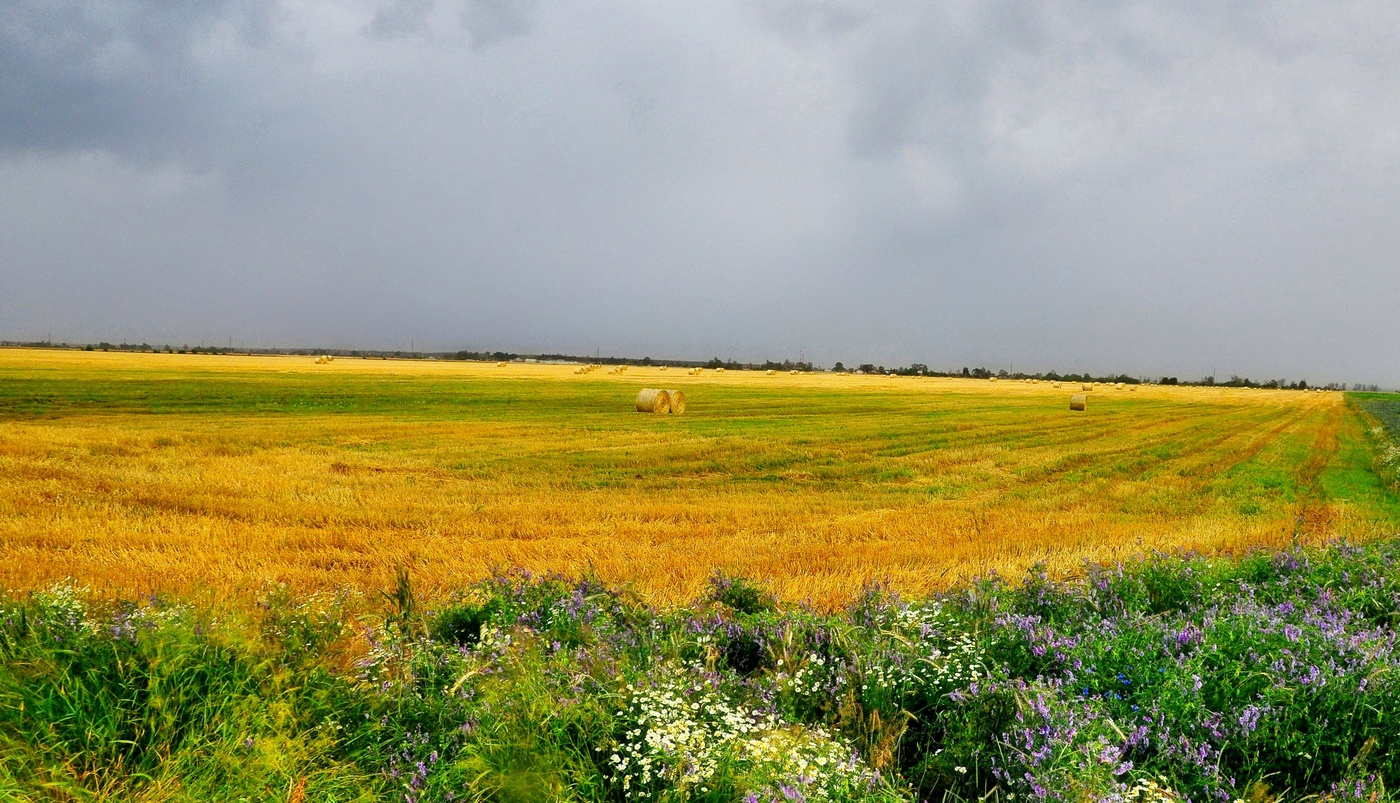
(1187, 188)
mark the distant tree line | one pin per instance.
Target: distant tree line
(913, 369)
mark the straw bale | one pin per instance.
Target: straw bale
(677, 401)
(1086, 386)
(501, 364)
(1078, 401)
(772, 372)
(653, 400)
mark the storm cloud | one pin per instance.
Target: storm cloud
(1186, 188)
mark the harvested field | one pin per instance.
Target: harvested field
(192, 473)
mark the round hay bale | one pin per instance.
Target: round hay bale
(719, 370)
(663, 367)
(991, 379)
(1132, 388)
(1078, 401)
(501, 364)
(772, 372)
(1086, 386)
(677, 401)
(794, 372)
(653, 400)
(1057, 384)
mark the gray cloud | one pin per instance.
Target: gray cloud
(492, 21)
(399, 18)
(1128, 187)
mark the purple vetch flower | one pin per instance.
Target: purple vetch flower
(1249, 718)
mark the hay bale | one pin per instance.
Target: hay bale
(1132, 388)
(1086, 386)
(1078, 401)
(501, 364)
(794, 372)
(653, 400)
(991, 379)
(719, 370)
(1057, 384)
(677, 401)
(772, 372)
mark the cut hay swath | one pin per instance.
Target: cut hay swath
(1078, 401)
(653, 400)
(677, 401)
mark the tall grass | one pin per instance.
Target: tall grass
(1272, 675)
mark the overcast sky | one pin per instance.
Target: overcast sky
(1145, 187)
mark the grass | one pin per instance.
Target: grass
(1270, 676)
(218, 475)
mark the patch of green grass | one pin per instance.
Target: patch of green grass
(1207, 677)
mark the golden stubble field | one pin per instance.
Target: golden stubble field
(222, 474)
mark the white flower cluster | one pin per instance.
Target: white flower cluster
(63, 606)
(682, 734)
(809, 679)
(1390, 455)
(929, 651)
(1147, 790)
